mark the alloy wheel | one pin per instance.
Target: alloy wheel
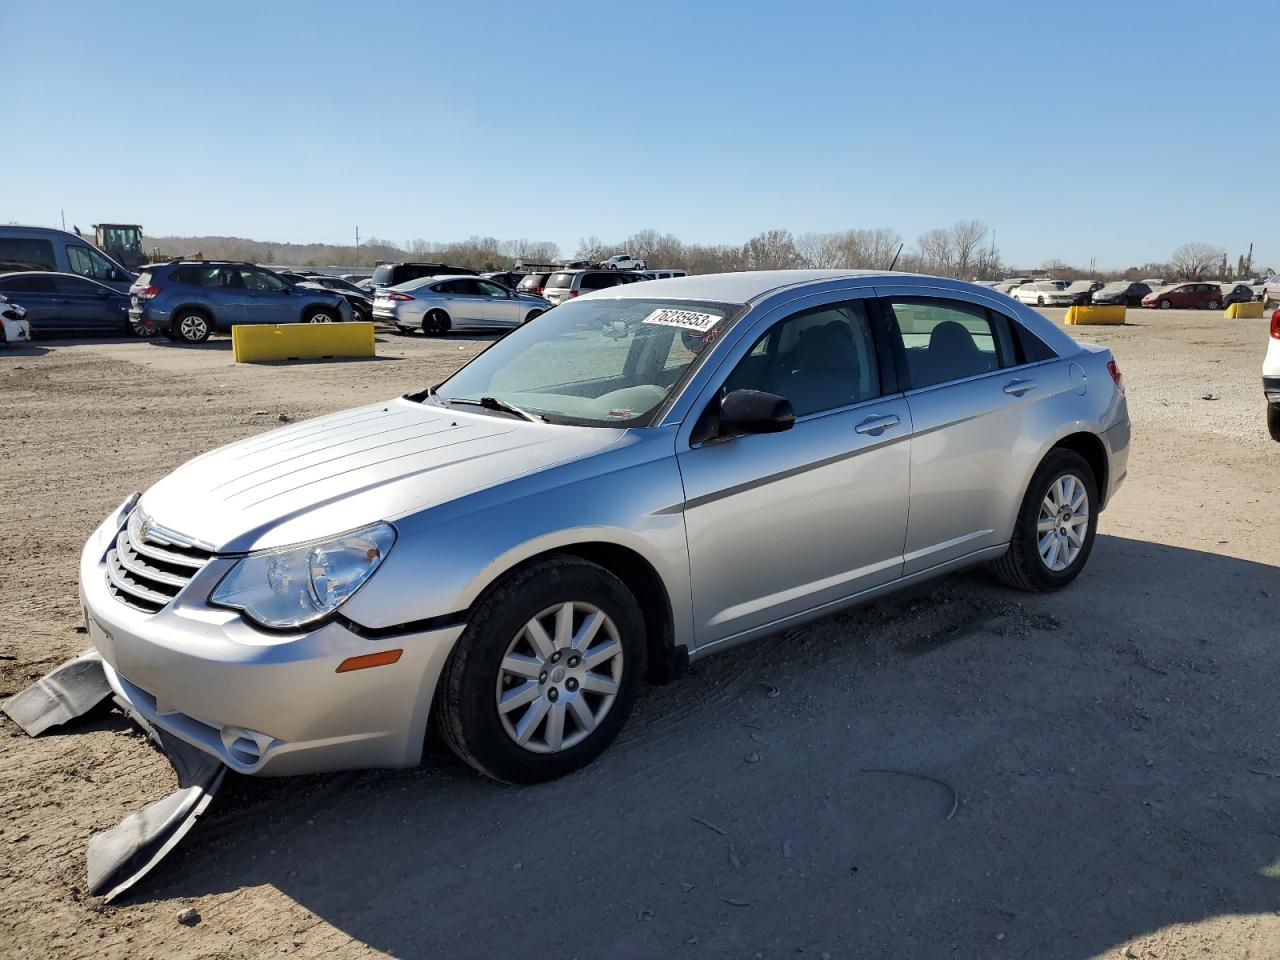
(1063, 522)
(559, 677)
(194, 328)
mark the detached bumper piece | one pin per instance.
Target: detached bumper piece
(68, 692)
(120, 857)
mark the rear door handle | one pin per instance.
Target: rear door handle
(1016, 388)
(877, 425)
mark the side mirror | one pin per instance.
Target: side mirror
(745, 412)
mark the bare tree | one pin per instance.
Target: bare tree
(968, 237)
(1192, 261)
(593, 248)
(656, 249)
(821, 251)
(771, 250)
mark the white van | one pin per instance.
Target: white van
(664, 274)
(43, 248)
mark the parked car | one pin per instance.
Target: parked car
(664, 274)
(360, 301)
(533, 283)
(1271, 378)
(1044, 293)
(624, 261)
(1271, 292)
(507, 278)
(1235, 293)
(43, 248)
(571, 283)
(1010, 284)
(394, 274)
(436, 305)
(1192, 296)
(643, 477)
(1082, 291)
(1155, 283)
(1121, 293)
(579, 264)
(61, 303)
(14, 327)
(190, 299)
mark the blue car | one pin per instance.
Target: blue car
(188, 300)
(61, 303)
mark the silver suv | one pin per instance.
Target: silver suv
(188, 300)
(568, 284)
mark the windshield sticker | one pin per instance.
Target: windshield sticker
(684, 319)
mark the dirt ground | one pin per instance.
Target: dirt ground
(1113, 750)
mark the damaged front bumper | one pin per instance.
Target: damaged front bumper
(266, 704)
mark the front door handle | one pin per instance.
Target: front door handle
(877, 425)
(1016, 388)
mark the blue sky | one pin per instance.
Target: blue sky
(1113, 131)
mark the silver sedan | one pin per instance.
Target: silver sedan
(436, 305)
(646, 476)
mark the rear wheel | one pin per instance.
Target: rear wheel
(1056, 524)
(546, 673)
(435, 323)
(192, 326)
(1039, 301)
(1273, 420)
(1213, 305)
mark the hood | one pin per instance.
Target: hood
(326, 476)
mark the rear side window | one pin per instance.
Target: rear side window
(1030, 348)
(944, 339)
(19, 254)
(560, 280)
(35, 284)
(599, 281)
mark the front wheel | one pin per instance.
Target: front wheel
(546, 672)
(1165, 304)
(532, 315)
(1056, 524)
(435, 323)
(1039, 301)
(323, 316)
(1213, 305)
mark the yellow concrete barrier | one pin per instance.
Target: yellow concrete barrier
(252, 342)
(1088, 316)
(1244, 311)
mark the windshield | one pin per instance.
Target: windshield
(593, 362)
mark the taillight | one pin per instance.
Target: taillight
(1275, 324)
(400, 296)
(148, 291)
(1118, 377)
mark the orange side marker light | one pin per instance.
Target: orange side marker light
(367, 660)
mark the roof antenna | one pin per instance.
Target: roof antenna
(895, 257)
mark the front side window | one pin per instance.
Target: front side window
(593, 362)
(491, 290)
(90, 263)
(819, 360)
(944, 339)
(261, 281)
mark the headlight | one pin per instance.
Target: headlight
(295, 586)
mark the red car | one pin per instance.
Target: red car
(1191, 296)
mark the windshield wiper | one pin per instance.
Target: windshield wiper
(421, 395)
(493, 403)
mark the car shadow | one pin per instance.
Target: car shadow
(23, 349)
(958, 767)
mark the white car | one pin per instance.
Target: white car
(1044, 293)
(14, 327)
(1271, 378)
(624, 261)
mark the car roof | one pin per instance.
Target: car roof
(752, 285)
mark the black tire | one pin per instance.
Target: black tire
(192, 326)
(533, 315)
(1212, 305)
(466, 707)
(1273, 421)
(141, 330)
(436, 323)
(1039, 301)
(1022, 567)
(1165, 304)
(323, 315)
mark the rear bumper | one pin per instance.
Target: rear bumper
(1271, 388)
(262, 704)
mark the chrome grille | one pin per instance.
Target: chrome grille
(149, 565)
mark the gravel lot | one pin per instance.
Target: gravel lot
(1113, 748)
